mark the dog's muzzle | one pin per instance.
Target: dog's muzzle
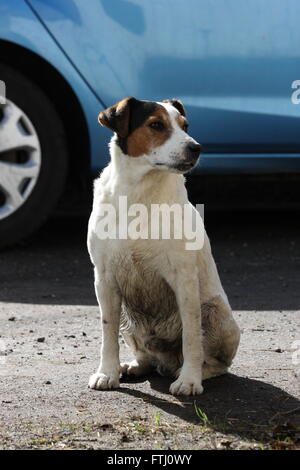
(191, 156)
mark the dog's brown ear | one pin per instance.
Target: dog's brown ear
(177, 104)
(117, 116)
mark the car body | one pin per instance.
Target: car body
(231, 63)
(235, 65)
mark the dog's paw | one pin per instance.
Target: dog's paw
(134, 368)
(186, 386)
(102, 381)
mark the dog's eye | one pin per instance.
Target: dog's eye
(157, 125)
(185, 127)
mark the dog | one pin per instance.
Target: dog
(168, 302)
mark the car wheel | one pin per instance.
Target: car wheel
(33, 157)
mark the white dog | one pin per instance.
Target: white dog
(167, 301)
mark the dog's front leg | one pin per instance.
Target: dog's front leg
(108, 373)
(189, 381)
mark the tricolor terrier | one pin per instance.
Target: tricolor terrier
(167, 301)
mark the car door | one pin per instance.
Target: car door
(231, 62)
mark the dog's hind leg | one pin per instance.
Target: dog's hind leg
(221, 336)
(141, 364)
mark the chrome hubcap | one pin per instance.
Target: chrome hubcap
(20, 158)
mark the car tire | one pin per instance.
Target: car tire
(24, 206)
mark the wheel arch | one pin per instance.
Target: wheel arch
(65, 102)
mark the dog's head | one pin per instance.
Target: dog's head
(156, 131)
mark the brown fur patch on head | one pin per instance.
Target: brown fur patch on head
(182, 122)
(145, 138)
(117, 116)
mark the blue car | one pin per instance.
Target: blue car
(234, 64)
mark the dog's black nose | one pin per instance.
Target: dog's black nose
(193, 150)
(195, 147)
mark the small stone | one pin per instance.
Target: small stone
(48, 382)
(41, 340)
(106, 426)
(124, 437)
(11, 318)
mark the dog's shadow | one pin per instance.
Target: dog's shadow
(230, 404)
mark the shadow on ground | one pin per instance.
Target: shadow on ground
(258, 256)
(235, 405)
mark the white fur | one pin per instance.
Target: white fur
(191, 275)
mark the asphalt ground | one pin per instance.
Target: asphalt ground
(50, 339)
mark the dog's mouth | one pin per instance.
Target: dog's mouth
(183, 167)
(186, 166)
